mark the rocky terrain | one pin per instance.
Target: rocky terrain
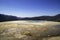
(25, 30)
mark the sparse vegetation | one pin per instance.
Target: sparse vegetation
(29, 31)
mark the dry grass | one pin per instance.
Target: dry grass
(29, 31)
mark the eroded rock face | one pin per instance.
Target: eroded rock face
(43, 31)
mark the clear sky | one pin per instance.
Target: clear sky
(29, 8)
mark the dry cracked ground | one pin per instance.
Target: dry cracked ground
(25, 30)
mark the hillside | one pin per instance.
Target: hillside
(47, 18)
(8, 18)
(12, 18)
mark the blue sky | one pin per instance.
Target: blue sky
(29, 8)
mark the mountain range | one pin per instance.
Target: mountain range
(4, 17)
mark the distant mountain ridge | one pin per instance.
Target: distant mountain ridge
(7, 18)
(48, 18)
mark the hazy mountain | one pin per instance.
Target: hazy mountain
(48, 18)
(8, 18)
